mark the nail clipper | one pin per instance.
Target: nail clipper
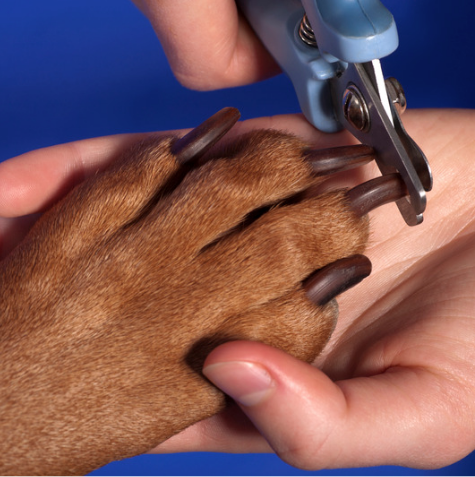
(331, 50)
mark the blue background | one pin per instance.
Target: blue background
(73, 69)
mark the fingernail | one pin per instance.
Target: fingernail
(247, 383)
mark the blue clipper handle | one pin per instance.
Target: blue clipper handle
(355, 31)
(277, 22)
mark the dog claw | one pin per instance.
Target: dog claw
(337, 277)
(376, 192)
(335, 159)
(199, 140)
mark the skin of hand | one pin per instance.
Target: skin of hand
(224, 51)
(395, 385)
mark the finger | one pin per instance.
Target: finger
(313, 423)
(207, 44)
(33, 181)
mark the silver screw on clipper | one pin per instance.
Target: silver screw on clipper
(355, 108)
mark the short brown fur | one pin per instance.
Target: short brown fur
(109, 306)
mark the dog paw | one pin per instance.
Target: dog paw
(113, 300)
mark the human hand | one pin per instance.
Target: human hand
(395, 385)
(208, 44)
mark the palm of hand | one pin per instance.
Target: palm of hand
(416, 307)
(410, 325)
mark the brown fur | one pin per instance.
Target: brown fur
(109, 306)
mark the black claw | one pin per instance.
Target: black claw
(376, 192)
(335, 159)
(337, 277)
(199, 140)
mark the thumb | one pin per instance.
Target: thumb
(313, 423)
